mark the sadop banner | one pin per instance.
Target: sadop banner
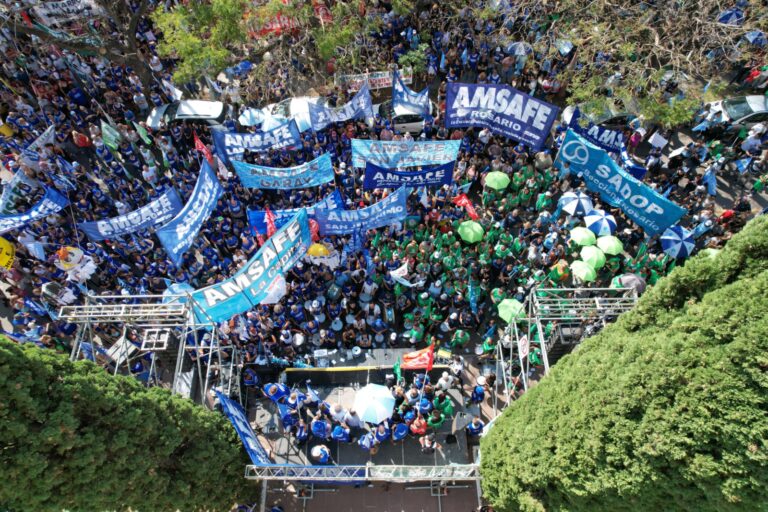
(52, 202)
(179, 234)
(402, 153)
(381, 177)
(388, 211)
(159, 211)
(231, 145)
(257, 218)
(310, 174)
(359, 105)
(411, 101)
(237, 416)
(501, 109)
(253, 283)
(650, 210)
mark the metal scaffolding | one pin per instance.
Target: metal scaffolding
(566, 308)
(124, 332)
(367, 473)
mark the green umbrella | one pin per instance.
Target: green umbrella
(496, 180)
(583, 270)
(511, 309)
(610, 245)
(470, 231)
(594, 256)
(582, 236)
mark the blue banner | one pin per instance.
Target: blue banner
(161, 210)
(360, 105)
(388, 211)
(381, 177)
(257, 218)
(230, 145)
(650, 210)
(404, 98)
(604, 138)
(255, 281)
(637, 171)
(403, 153)
(237, 416)
(52, 202)
(501, 109)
(310, 174)
(179, 234)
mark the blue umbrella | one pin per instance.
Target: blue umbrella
(733, 16)
(600, 223)
(575, 203)
(677, 242)
(756, 37)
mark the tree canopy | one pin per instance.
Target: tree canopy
(74, 437)
(667, 409)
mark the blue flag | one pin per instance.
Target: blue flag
(310, 174)
(403, 98)
(52, 202)
(230, 145)
(359, 106)
(380, 177)
(179, 234)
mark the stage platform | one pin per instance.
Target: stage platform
(265, 418)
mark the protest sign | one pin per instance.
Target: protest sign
(52, 202)
(389, 210)
(310, 174)
(375, 80)
(258, 222)
(380, 177)
(361, 105)
(230, 145)
(403, 153)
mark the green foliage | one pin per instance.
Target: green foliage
(667, 409)
(201, 35)
(403, 7)
(416, 59)
(669, 114)
(328, 41)
(77, 438)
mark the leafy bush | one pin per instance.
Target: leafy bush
(74, 437)
(667, 409)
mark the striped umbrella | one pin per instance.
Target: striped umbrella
(374, 403)
(600, 222)
(677, 242)
(575, 203)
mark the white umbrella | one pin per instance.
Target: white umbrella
(374, 403)
(575, 203)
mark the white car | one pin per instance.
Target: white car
(741, 111)
(211, 112)
(404, 119)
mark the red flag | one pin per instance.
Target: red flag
(203, 149)
(260, 238)
(463, 200)
(422, 359)
(314, 228)
(269, 217)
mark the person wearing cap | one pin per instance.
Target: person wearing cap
(445, 382)
(475, 428)
(341, 434)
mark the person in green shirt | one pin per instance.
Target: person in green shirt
(443, 403)
(436, 419)
(525, 197)
(460, 338)
(518, 180)
(544, 201)
(498, 295)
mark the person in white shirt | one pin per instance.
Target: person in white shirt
(338, 413)
(445, 382)
(353, 420)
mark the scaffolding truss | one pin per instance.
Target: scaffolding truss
(125, 332)
(367, 473)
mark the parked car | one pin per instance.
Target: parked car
(612, 116)
(404, 120)
(741, 111)
(211, 112)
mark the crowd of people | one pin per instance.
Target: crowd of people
(356, 302)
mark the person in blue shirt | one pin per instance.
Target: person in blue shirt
(341, 433)
(301, 432)
(475, 428)
(478, 395)
(321, 454)
(320, 427)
